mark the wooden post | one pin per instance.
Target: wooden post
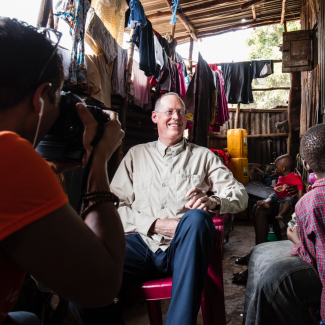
(190, 56)
(254, 12)
(172, 31)
(294, 110)
(237, 116)
(285, 27)
(283, 11)
(44, 13)
(125, 100)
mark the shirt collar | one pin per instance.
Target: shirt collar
(176, 149)
(320, 182)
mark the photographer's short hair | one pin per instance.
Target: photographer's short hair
(158, 102)
(24, 53)
(313, 147)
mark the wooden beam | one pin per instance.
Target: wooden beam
(271, 89)
(237, 116)
(283, 11)
(254, 12)
(186, 23)
(260, 110)
(271, 135)
(172, 30)
(159, 15)
(246, 5)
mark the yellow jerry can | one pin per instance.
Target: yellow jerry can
(239, 168)
(237, 143)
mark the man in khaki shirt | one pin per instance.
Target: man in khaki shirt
(162, 188)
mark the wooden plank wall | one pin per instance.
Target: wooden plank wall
(310, 100)
(313, 82)
(260, 150)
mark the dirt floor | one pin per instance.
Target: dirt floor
(241, 240)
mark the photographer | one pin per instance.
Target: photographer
(39, 232)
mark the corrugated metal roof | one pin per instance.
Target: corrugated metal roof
(213, 17)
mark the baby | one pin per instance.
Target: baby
(284, 167)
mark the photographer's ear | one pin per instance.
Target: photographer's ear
(38, 98)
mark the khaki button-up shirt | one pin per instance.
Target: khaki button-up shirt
(153, 179)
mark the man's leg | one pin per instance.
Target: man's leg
(138, 266)
(262, 216)
(188, 257)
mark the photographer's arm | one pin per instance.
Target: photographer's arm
(82, 264)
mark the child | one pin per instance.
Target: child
(284, 166)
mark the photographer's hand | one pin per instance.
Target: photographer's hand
(112, 137)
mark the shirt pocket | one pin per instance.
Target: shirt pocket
(184, 183)
(142, 183)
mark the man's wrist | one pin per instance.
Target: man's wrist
(217, 202)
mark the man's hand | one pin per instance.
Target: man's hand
(199, 200)
(111, 139)
(165, 227)
(293, 235)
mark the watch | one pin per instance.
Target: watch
(218, 201)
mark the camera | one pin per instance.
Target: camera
(64, 141)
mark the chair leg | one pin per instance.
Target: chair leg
(154, 311)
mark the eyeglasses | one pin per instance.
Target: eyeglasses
(50, 34)
(180, 112)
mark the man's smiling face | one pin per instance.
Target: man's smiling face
(170, 128)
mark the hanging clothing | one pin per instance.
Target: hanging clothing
(174, 79)
(99, 78)
(182, 86)
(112, 14)
(144, 40)
(137, 15)
(238, 82)
(213, 66)
(222, 114)
(99, 38)
(158, 53)
(163, 42)
(119, 72)
(262, 68)
(198, 102)
(74, 12)
(141, 86)
(178, 58)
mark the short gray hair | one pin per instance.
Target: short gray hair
(158, 102)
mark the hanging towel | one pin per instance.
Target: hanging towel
(119, 71)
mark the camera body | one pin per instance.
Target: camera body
(64, 141)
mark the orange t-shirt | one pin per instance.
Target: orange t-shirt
(29, 190)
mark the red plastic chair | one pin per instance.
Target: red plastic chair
(212, 300)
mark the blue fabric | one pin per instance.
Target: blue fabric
(174, 9)
(143, 39)
(187, 259)
(276, 199)
(24, 318)
(137, 15)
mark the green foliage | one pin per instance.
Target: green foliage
(264, 44)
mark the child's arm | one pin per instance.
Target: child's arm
(300, 192)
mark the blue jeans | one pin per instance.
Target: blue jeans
(187, 259)
(280, 288)
(276, 199)
(24, 318)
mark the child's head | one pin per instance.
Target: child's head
(284, 165)
(313, 147)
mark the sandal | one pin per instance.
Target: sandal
(240, 278)
(243, 260)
